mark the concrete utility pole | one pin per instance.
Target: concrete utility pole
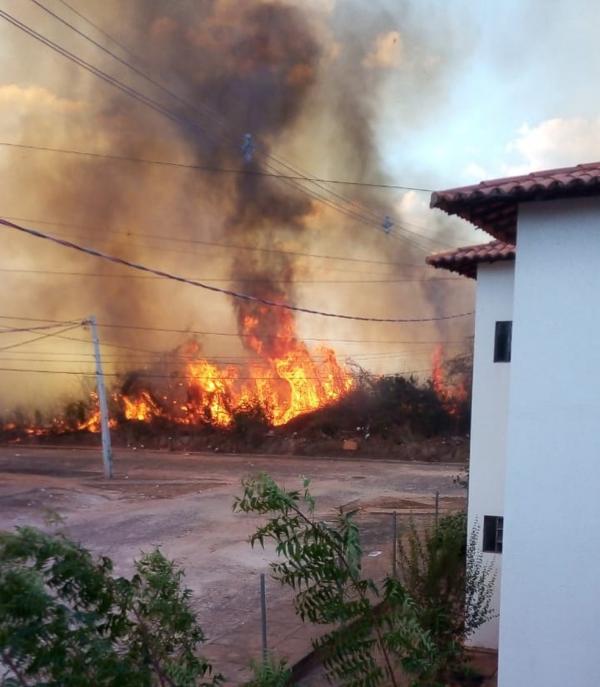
(103, 405)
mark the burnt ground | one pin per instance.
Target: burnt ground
(399, 444)
(182, 503)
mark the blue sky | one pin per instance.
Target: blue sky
(521, 64)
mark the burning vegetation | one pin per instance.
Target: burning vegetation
(308, 398)
(284, 381)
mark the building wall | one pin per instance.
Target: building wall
(549, 625)
(489, 418)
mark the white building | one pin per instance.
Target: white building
(535, 447)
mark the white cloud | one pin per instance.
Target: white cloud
(554, 143)
(474, 172)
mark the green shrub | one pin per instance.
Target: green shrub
(270, 673)
(66, 621)
(373, 631)
(452, 587)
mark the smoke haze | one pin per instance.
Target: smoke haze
(310, 82)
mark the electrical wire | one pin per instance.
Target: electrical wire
(215, 289)
(159, 107)
(5, 330)
(169, 357)
(190, 377)
(344, 282)
(172, 94)
(39, 338)
(211, 168)
(202, 332)
(223, 361)
(218, 244)
(99, 29)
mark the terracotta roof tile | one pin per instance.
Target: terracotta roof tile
(465, 260)
(492, 205)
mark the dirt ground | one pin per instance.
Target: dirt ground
(183, 503)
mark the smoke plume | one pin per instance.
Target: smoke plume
(301, 81)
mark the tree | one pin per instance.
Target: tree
(66, 621)
(452, 586)
(376, 633)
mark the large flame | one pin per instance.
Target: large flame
(283, 381)
(452, 395)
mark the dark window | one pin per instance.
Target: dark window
(493, 528)
(502, 342)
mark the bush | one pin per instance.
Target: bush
(451, 585)
(250, 424)
(373, 631)
(270, 673)
(388, 407)
(412, 628)
(66, 621)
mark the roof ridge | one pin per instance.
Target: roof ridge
(492, 204)
(465, 260)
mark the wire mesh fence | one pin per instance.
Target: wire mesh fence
(259, 619)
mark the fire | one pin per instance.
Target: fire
(282, 380)
(282, 387)
(141, 409)
(451, 395)
(91, 422)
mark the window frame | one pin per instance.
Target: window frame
(503, 341)
(493, 534)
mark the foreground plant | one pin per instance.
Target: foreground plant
(272, 672)
(66, 621)
(377, 636)
(453, 587)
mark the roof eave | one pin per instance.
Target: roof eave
(496, 211)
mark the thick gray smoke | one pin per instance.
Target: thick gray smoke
(307, 81)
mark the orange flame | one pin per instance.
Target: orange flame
(451, 395)
(284, 381)
(141, 409)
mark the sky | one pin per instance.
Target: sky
(521, 96)
(422, 93)
(518, 94)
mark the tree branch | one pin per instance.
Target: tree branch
(163, 679)
(357, 589)
(11, 664)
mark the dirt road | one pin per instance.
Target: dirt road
(182, 503)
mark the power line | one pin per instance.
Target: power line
(102, 275)
(202, 332)
(161, 86)
(19, 330)
(215, 289)
(189, 377)
(222, 361)
(211, 168)
(98, 28)
(159, 107)
(177, 358)
(219, 244)
(39, 338)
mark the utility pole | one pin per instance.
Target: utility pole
(103, 405)
(263, 617)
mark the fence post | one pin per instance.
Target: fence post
(395, 544)
(263, 616)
